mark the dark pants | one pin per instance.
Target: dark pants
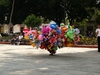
(98, 44)
(13, 41)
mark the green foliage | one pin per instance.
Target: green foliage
(98, 19)
(97, 15)
(81, 23)
(77, 9)
(98, 12)
(49, 9)
(32, 21)
(4, 2)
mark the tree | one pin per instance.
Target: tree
(4, 8)
(13, 3)
(77, 9)
(4, 2)
(32, 21)
(53, 9)
(98, 16)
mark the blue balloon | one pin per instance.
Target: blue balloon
(58, 31)
(53, 26)
(55, 43)
(52, 22)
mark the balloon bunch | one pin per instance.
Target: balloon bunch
(29, 33)
(50, 37)
(67, 34)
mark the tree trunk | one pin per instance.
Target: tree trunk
(11, 15)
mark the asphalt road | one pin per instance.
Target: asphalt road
(26, 60)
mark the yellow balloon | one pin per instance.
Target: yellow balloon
(49, 46)
(26, 37)
(33, 44)
(39, 32)
(70, 27)
(70, 45)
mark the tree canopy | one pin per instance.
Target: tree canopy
(32, 21)
(49, 9)
(4, 2)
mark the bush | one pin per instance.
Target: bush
(6, 38)
(87, 40)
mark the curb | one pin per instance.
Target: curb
(81, 46)
(86, 46)
(9, 43)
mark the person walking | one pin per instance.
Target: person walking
(98, 36)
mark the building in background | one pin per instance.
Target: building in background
(13, 29)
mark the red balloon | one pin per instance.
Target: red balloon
(26, 30)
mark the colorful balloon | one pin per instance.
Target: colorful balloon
(40, 37)
(53, 26)
(62, 24)
(33, 44)
(25, 30)
(58, 31)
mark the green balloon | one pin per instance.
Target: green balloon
(69, 34)
(55, 48)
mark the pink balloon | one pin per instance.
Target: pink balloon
(26, 34)
(29, 32)
(40, 37)
(47, 30)
(44, 30)
(34, 32)
(78, 38)
(48, 27)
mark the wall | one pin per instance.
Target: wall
(6, 28)
(16, 28)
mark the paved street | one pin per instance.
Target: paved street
(26, 60)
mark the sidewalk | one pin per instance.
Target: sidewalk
(87, 46)
(26, 60)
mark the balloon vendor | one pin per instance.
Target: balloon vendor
(51, 37)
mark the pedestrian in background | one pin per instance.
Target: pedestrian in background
(20, 37)
(98, 36)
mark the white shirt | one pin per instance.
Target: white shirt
(0, 35)
(98, 31)
(20, 37)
